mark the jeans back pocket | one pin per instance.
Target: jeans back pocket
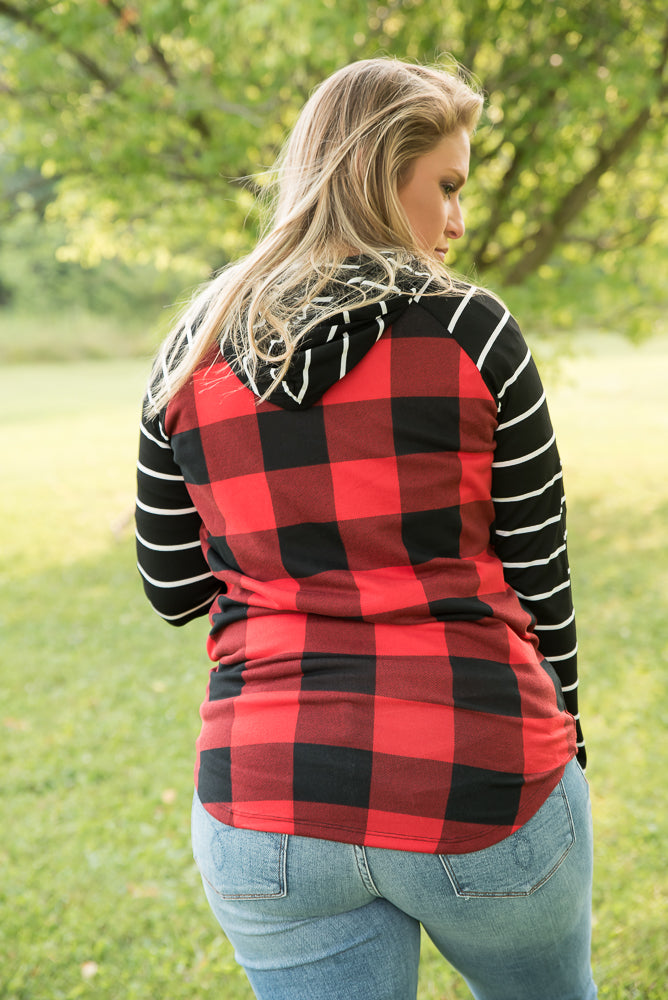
(522, 862)
(236, 863)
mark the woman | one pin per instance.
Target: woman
(347, 462)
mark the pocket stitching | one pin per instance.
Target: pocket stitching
(282, 878)
(510, 894)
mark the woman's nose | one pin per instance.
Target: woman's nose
(455, 227)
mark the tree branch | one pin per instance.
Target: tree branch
(195, 119)
(574, 200)
(89, 66)
(132, 24)
(498, 212)
(623, 238)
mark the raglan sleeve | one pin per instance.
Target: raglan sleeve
(177, 580)
(529, 533)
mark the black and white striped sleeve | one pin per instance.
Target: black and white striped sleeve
(530, 535)
(177, 579)
(529, 529)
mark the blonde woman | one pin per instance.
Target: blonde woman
(347, 463)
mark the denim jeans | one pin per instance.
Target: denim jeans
(317, 920)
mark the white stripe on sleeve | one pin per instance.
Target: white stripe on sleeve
(516, 375)
(530, 528)
(522, 416)
(490, 343)
(172, 584)
(524, 458)
(534, 562)
(460, 308)
(160, 444)
(158, 475)
(167, 511)
(182, 614)
(167, 548)
(548, 593)
(564, 656)
(531, 493)
(555, 628)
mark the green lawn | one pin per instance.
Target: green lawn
(99, 699)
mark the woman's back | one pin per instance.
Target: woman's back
(364, 625)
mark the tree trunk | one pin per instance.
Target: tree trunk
(541, 246)
(573, 202)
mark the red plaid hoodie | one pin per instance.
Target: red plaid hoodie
(381, 550)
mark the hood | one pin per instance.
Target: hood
(333, 348)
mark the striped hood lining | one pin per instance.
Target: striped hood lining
(333, 348)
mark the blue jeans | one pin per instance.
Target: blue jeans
(317, 920)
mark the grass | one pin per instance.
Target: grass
(78, 334)
(99, 897)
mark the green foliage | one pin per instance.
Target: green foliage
(57, 310)
(99, 897)
(143, 120)
(38, 278)
(607, 293)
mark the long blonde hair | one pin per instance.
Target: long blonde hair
(336, 180)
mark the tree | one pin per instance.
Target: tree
(147, 121)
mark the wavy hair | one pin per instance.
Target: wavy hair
(336, 194)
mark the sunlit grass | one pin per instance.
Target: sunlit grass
(73, 335)
(99, 895)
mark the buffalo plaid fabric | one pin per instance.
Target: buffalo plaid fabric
(381, 551)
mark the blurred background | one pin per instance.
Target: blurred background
(135, 141)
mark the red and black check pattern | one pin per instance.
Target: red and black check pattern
(381, 565)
